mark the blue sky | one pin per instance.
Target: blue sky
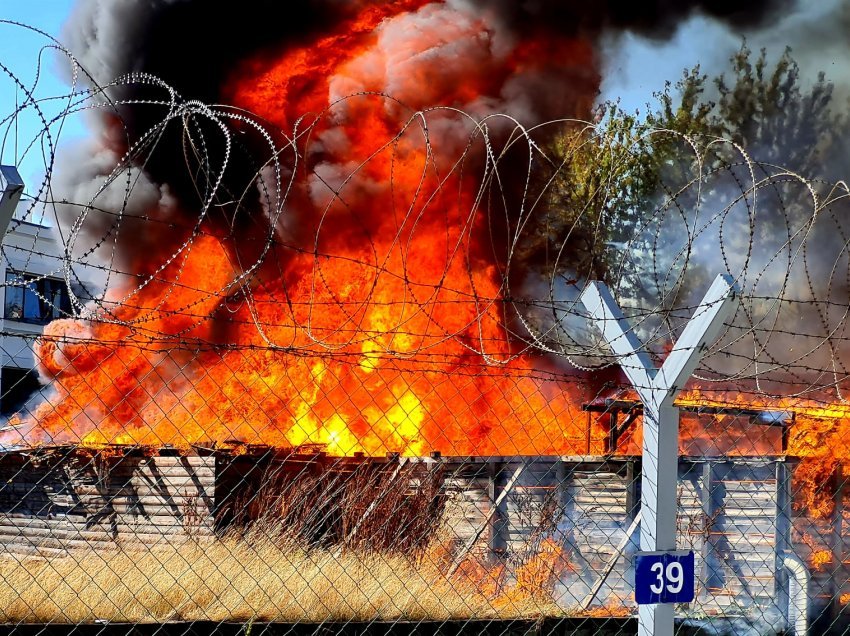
(19, 51)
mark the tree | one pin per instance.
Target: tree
(598, 183)
(625, 197)
(763, 110)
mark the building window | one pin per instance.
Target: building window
(36, 300)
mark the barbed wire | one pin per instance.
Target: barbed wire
(713, 212)
(378, 309)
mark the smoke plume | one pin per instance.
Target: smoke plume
(196, 46)
(372, 320)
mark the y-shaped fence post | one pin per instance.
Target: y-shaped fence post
(657, 389)
(11, 189)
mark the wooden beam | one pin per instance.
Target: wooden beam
(496, 540)
(783, 538)
(632, 489)
(711, 506)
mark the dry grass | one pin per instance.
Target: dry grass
(254, 577)
(369, 545)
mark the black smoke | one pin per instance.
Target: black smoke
(654, 18)
(195, 45)
(191, 44)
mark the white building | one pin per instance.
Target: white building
(34, 293)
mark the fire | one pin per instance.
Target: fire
(533, 579)
(819, 559)
(486, 578)
(539, 573)
(376, 323)
(818, 431)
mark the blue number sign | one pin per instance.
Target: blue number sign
(664, 577)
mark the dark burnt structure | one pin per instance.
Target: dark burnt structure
(734, 512)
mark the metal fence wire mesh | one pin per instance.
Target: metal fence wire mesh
(332, 372)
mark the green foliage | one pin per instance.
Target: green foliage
(764, 110)
(602, 177)
(608, 180)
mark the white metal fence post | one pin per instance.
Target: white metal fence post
(11, 189)
(658, 389)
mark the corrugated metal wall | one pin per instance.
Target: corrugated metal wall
(52, 502)
(502, 510)
(727, 515)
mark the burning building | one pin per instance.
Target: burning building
(331, 271)
(351, 279)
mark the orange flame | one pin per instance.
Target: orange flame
(377, 322)
(389, 333)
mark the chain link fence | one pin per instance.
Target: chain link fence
(228, 530)
(328, 391)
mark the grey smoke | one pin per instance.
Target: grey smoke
(794, 341)
(106, 36)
